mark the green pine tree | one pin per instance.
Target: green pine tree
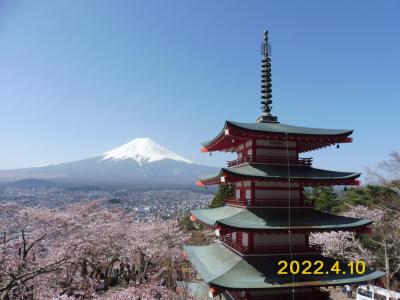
(324, 198)
(223, 192)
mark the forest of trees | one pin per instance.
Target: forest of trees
(379, 201)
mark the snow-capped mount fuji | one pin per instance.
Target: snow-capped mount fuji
(143, 150)
(140, 162)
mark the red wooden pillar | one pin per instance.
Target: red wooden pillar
(239, 238)
(253, 193)
(253, 149)
(242, 192)
(251, 241)
(247, 295)
(301, 194)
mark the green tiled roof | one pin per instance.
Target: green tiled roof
(290, 129)
(283, 129)
(276, 218)
(220, 266)
(282, 171)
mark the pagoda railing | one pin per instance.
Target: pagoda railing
(311, 248)
(314, 293)
(306, 161)
(236, 201)
(286, 249)
(268, 202)
(238, 247)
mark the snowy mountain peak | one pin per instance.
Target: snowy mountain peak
(142, 150)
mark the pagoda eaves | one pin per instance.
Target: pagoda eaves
(308, 139)
(221, 267)
(305, 175)
(231, 218)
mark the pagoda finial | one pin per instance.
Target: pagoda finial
(266, 83)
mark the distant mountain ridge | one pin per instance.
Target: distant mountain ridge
(141, 161)
(32, 183)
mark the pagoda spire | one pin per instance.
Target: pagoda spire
(266, 84)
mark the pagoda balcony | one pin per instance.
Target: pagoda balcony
(267, 202)
(295, 249)
(235, 201)
(306, 161)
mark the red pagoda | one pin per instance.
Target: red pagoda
(269, 220)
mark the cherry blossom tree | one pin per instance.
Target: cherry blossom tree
(382, 247)
(26, 253)
(388, 174)
(386, 171)
(83, 250)
(346, 244)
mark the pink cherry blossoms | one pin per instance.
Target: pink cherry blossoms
(84, 250)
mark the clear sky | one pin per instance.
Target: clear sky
(78, 78)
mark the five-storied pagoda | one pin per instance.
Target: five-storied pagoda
(269, 220)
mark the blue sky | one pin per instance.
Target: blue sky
(78, 78)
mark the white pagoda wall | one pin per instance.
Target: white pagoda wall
(245, 149)
(283, 148)
(267, 148)
(269, 191)
(297, 239)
